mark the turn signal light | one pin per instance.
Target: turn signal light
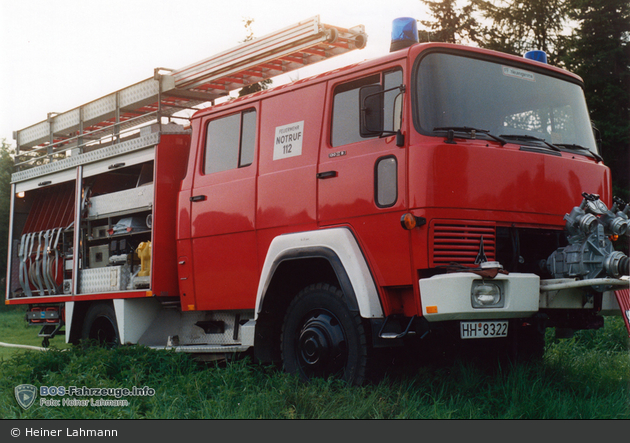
(409, 221)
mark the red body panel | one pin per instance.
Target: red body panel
(223, 236)
(78, 298)
(170, 168)
(481, 175)
(287, 187)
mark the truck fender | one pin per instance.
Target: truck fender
(340, 248)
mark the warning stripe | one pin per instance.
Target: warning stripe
(623, 298)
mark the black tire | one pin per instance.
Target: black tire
(530, 344)
(100, 325)
(321, 337)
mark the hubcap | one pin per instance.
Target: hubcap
(322, 349)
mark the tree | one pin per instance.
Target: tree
(599, 52)
(518, 26)
(6, 169)
(450, 24)
(263, 84)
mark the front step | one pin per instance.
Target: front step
(50, 330)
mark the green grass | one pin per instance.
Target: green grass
(587, 376)
(14, 329)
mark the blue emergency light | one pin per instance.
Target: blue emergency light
(404, 33)
(539, 56)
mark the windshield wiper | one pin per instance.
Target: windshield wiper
(582, 148)
(471, 131)
(531, 137)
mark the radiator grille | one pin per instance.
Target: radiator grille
(458, 242)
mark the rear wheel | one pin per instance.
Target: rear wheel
(321, 337)
(100, 325)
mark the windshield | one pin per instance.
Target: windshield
(456, 91)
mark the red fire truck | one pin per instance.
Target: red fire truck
(436, 189)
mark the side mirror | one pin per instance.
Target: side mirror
(371, 103)
(398, 102)
(598, 136)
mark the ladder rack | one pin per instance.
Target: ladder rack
(163, 95)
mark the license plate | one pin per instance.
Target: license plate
(483, 329)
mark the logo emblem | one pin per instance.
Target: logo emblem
(481, 255)
(25, 395)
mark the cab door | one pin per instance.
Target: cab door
(223, 204)
(361, 179)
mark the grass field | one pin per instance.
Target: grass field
(14, 329)
(587, 376)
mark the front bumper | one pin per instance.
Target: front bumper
(448, 296)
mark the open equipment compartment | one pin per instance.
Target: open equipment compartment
(116, 222)
(41, 236)
(113, 202)
(128, 219)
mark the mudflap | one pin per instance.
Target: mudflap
(623, 298)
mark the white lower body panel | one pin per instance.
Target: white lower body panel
(448, 297)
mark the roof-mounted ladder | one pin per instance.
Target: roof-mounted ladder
(163, 95)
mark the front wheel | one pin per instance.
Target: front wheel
(322, 337)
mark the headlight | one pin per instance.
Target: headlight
(486, 295)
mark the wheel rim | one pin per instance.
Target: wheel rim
(321, 346)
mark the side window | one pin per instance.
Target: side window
(346, 106)
(391, 79)
(230, 142)
(386, 182)
(345, 122)
(248, 138)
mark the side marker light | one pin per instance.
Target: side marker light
(409, 221)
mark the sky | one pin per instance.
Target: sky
(57, 55)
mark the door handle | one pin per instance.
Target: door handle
(198, 198)
(327, 174)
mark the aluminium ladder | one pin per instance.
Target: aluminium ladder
(163, 95)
